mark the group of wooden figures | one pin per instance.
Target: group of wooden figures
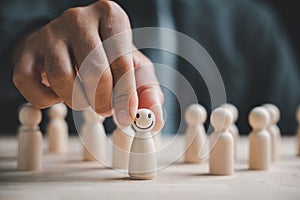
(136, 141)
(135, 148)
(264, 138)
(30, 138)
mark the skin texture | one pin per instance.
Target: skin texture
(48, 61)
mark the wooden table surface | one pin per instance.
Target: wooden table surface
(68, 177)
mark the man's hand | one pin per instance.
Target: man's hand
(48, 66)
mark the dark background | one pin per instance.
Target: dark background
(286, 11)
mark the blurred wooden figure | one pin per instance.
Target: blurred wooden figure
(122, 140)
(93, 136)
(298, 130)
(233, 129)
(221, 158)
(57, 129)
(259, 139)
(195, 135)
(274, 130)
(30, 139)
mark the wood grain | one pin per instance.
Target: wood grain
(67, 177)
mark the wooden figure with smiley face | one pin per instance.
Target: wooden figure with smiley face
(142, 159)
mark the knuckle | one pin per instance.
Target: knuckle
(80, 25)
(73, 16)
(20, 77)
(112, 9)
(73, 12)
(46, 32)
(48, 36)
(106, 6)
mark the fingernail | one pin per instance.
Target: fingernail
(123, 118)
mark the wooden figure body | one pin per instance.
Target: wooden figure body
(298, 138)
(233, 129)
(298, 129)
(259, 139)
(57, 129)
(221, 158)
(93, 136)
(30, 139)
(142, 159)
(195, 134)
(274, 130)
(122, 140)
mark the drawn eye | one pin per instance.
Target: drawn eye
(137, 115)
(149, 115)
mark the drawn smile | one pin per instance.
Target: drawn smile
(141, 127)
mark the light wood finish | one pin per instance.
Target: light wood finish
(65, 176)
(221, 157)
(142, 158)
(233, 129)
(259, 139)
(195, 134)
(30, 139)
(298, 129)
(122, 140)
(93, 137)
(57, 129)
(274, 130)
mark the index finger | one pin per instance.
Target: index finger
(115, 31)
(149, 91)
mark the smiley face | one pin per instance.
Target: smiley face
(144, 120)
